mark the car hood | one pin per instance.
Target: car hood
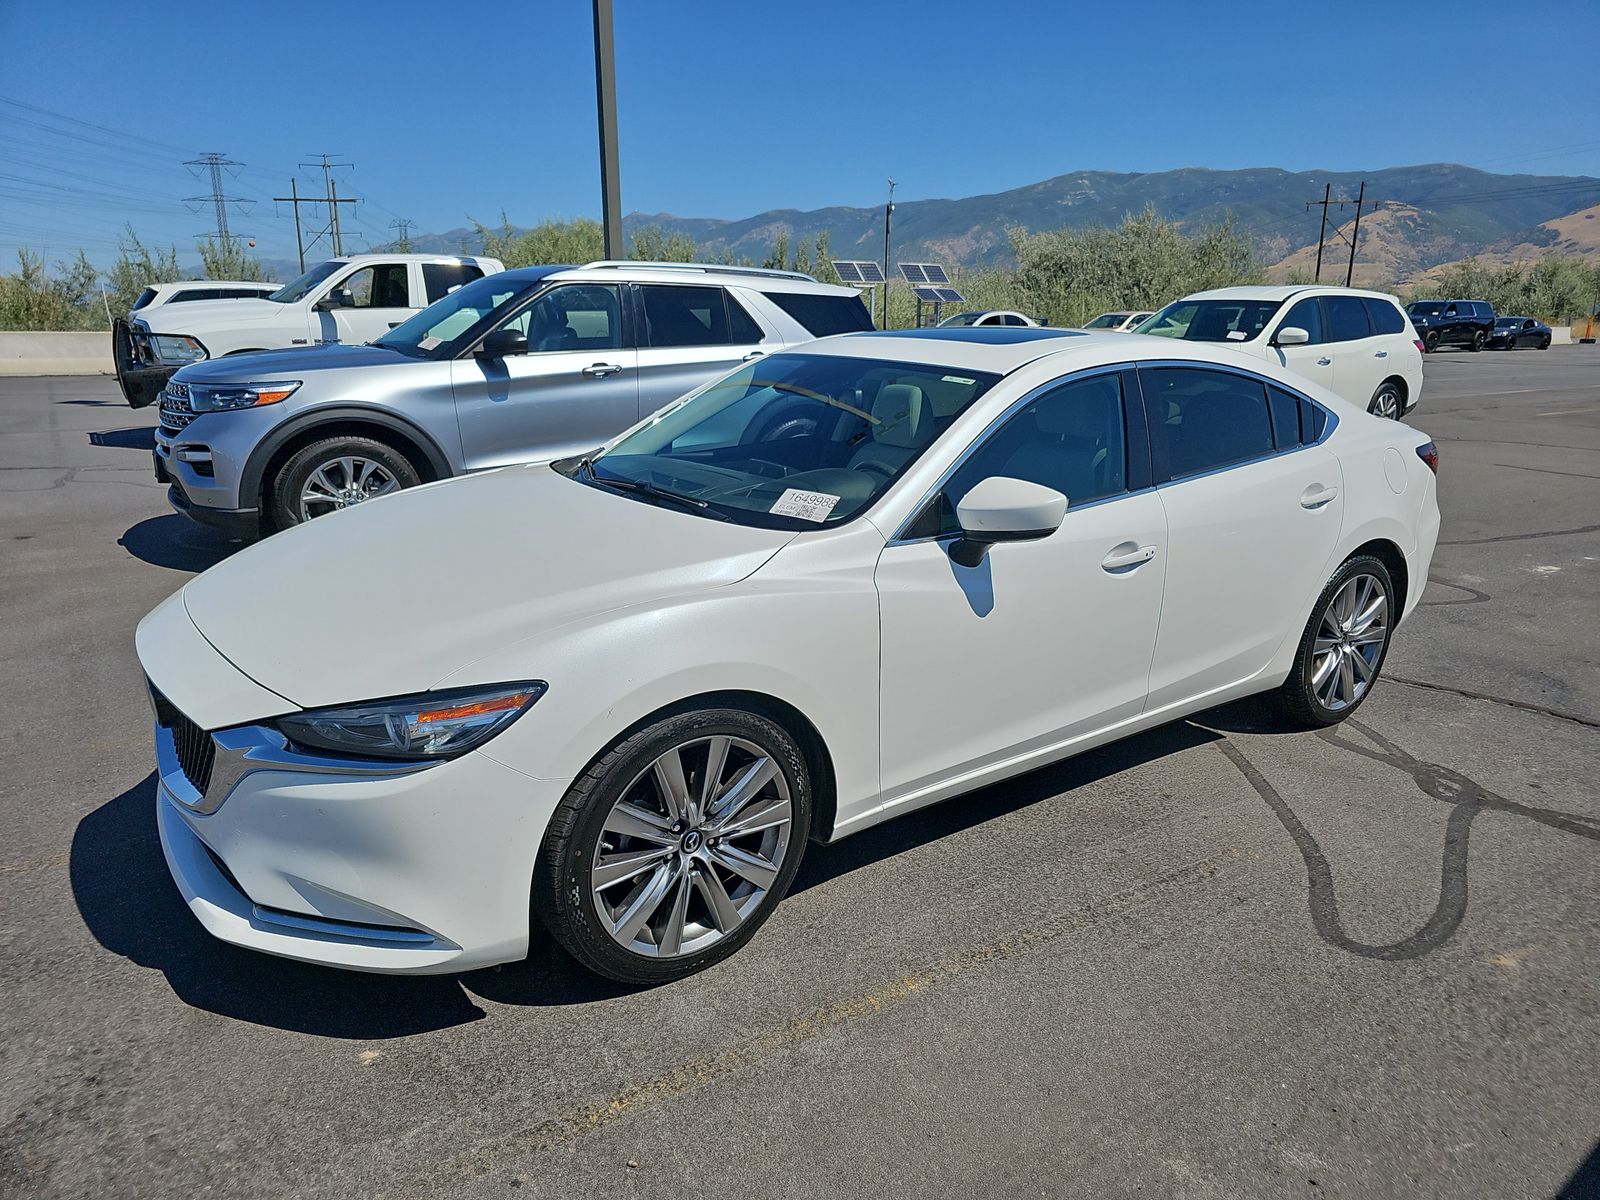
(263, 364)
(391, 596)
(194, 315)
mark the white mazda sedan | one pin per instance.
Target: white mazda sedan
(620, 693)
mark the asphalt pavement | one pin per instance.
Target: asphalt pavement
(1215, 960)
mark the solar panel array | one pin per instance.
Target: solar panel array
(857, 272)
(939, 295)
(924, 273)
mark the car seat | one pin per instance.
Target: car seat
(903, 423)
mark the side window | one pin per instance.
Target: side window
(823, 315)
(1527, 324)
(1285, 418)
(677, 315)
(1313, 421)
(438, 279)
(1384, 317)
(742, 327)
(382, 285)
(1450, 310)
(579, 316)
(1347, 319)
(1307, 315)
(1201, 420)
(1070, 439)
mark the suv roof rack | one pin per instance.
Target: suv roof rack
(704, 268)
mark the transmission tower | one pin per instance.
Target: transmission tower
(219, 199)
(402, 228)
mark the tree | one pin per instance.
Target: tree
(228, 260)
(33, 298)
(570, 242)
(137, 267)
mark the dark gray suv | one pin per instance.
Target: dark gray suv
(1468, 323)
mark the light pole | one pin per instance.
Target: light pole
(605, 87)
(888, 222)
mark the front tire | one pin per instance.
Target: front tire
(1386, 401)
(334, 473)
(668, 854)
(1343, 647)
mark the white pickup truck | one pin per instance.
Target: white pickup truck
(350, 300)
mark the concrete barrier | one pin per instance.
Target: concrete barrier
(56, 353)
(1561, 335)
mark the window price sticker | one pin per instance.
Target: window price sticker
(808, 506)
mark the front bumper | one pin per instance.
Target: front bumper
(205, 459)
(426, 871)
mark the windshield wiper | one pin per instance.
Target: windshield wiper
(642, 488)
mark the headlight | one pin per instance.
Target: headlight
(228, 396)
(430, 725)
(177, 348)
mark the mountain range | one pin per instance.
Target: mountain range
(1414, 217)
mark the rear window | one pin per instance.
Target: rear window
(1385, 317)
(440, 279)
(823, 316)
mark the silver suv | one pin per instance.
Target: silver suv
(523, 365)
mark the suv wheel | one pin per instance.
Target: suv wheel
(673, 848)
(1343, 646)
(335, 473)
(1386, 401)
(1478, 338)
(1431, 340)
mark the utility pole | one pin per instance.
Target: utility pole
(1355, 234)
(605, 89)
(1327, 199)
(218, 198)
(888, 222)
(331, 229)
(294, 198)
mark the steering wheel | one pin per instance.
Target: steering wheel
(875, 467)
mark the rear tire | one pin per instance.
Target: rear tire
(1352, 619)
(646, 889)
(1544, 344)
(334, 473)
(1431, 341)
(1386, 401)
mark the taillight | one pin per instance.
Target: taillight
(1429, 453)
(1420, 345)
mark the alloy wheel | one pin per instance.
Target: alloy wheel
(692, 847)
(1349, 642)
(1386, 403)
(341, 482)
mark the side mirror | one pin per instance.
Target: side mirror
(338, 298)
(503, 343)
(1005, 510)
(1291, 335)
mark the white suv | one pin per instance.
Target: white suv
(350, 300)
(1359, 345)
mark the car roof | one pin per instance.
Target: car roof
(1282, 292)
(421, 258)
(765, 279)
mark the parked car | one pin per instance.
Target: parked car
(1356, 344)
(515, 366)
(1516, 333)
(1466, 323)
(189, 290)
(620, 693)
(1118, 322)
(994, 316)
(344, 300)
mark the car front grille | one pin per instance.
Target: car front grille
(176, 409)
(197, 753)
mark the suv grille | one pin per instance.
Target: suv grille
(176, 410)
(196, 751)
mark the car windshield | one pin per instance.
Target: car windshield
(434, 331)
(1211, 320)
(298, 289)
(965, 318)
(1426, 308)
(1107, 321)
(794, 441)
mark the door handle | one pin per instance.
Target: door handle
(752, 354)
(601, 370)
(1381, 354)
(1317, 495)
(1324, 361)
(1127, 555)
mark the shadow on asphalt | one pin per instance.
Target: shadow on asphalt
(1585, 1181)
(177, 543)
(134, 437)
(94, 403)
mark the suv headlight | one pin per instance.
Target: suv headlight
(430, 725)
(177, 348)
(226, 397)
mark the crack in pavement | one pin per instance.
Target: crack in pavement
(1521, 537)
(1467, 799)
(1525, 706)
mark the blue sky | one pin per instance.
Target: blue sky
(728, 108)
